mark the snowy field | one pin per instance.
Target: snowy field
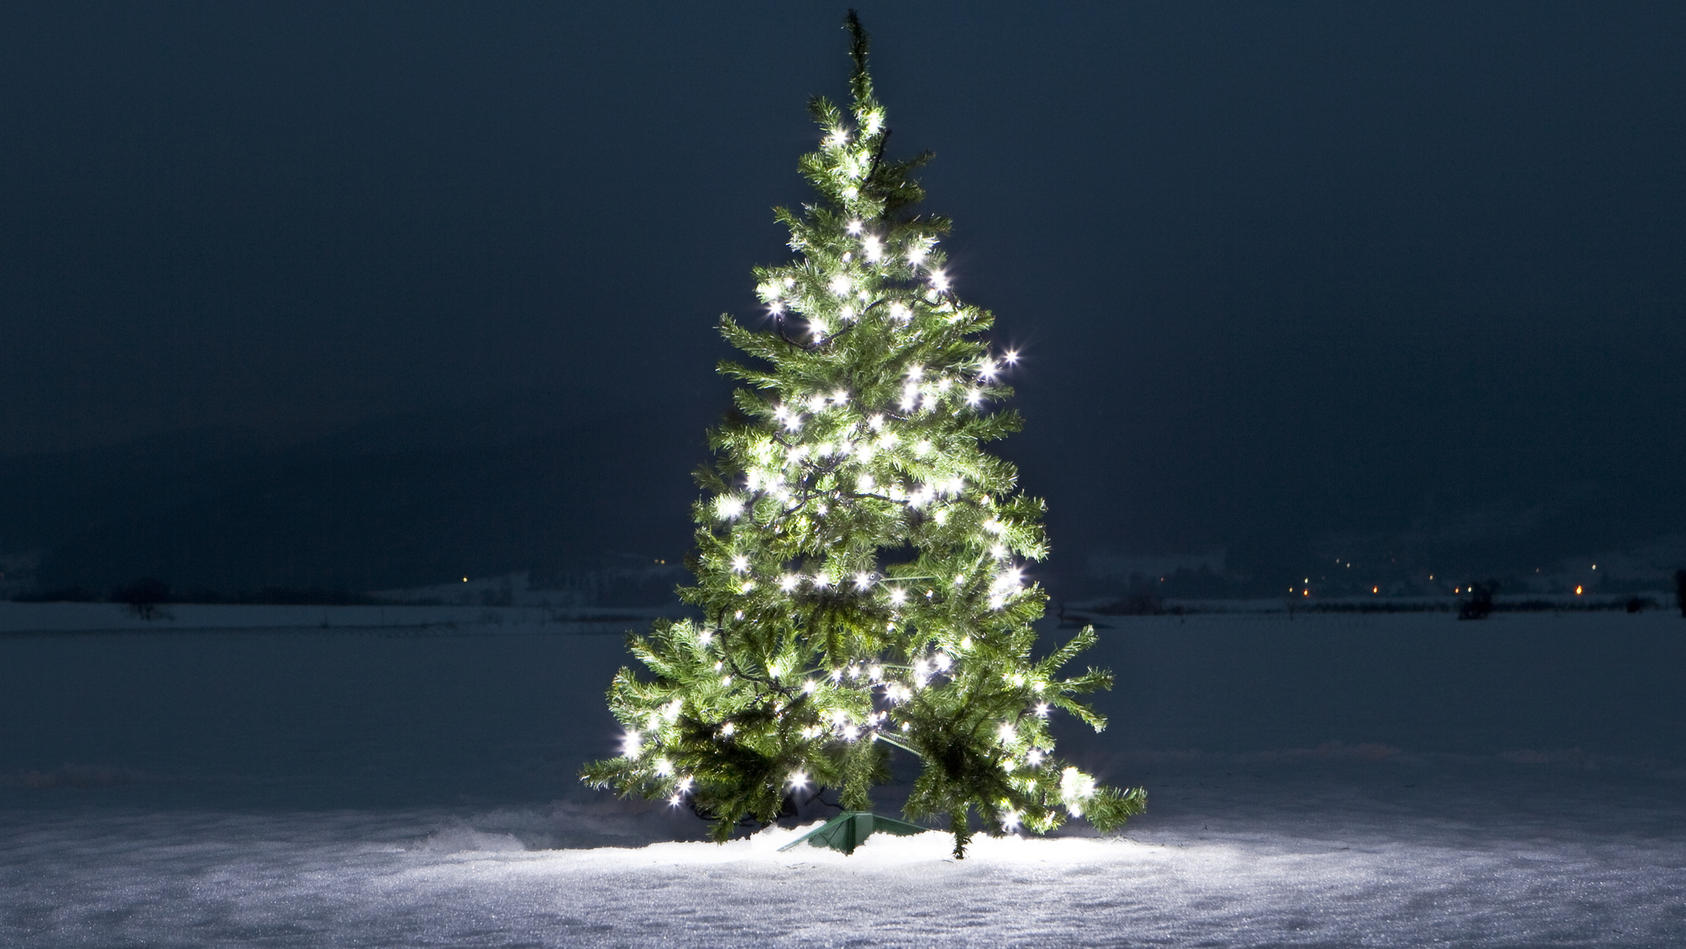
(322, 777)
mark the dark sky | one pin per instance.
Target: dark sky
(1309, 271)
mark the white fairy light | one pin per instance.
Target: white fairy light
(728, 729)
(740, 563)
(898, 596)
(939, 281)
(1075, 788)
(841, 285)
(1010, 357)
(872, 248)
(664, 767)
(822, 580)
(818, 328)
(728, 506)
(1006, 733)
(863, 581)
(1041, 710)
(974, 396)
(838, 138)
(632, 743)
(872, 121)
(900, 312)
(788, 582)
(987, 369)
(854, 226)
(1033, 757)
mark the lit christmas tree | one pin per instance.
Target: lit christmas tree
(860, 556)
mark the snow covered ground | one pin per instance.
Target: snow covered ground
(1390, 780)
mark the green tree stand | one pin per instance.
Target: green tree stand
(846, 831)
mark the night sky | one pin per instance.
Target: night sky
(1291, 280)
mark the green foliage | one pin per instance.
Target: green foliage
(859, 553)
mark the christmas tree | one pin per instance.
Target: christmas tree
(860, 558)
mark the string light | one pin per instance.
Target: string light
(831, 480)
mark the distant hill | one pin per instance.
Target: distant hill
(483, 489)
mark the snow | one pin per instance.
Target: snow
(1387, 780)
